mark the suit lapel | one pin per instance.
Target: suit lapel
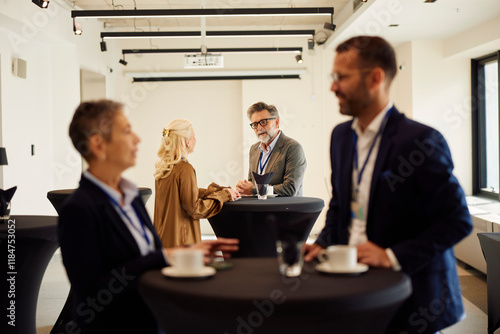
(383, 151)
(276, 153)
(140, 209)
(346, 166)
(114, 218)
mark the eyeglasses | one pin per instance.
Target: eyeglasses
(262, 122)
(337, 77)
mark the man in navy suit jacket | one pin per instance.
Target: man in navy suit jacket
(394, 196)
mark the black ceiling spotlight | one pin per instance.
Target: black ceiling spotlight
(103, 46)
(122, 61)
(41, 3)
(298, 58)
(330, 26)
(310, 43)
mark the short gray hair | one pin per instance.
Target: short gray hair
(259, 106)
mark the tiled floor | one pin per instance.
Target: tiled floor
(55, 287)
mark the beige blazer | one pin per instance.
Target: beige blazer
(180, 204)
(287, 161)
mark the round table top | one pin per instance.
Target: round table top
(271, 204)
(26, 226)
(257, 279)
(63, 193)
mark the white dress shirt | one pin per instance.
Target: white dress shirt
(357, 228)
(264, 159)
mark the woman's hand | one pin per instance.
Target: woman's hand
(220, 247)
(234, 194)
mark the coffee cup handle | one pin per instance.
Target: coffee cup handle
(322, 256)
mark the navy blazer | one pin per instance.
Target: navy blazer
(416, 207)
(103, 263)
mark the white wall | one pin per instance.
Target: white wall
(217, 110)
(37, 110)
(436, 90)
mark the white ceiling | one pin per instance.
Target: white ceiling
(216, 23)
(413, 19)
(416, 20)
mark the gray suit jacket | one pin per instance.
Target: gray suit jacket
(287, 161)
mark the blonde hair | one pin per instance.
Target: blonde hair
(173, 146)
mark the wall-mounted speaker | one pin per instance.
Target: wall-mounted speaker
(19, 67)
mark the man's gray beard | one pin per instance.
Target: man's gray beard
(269, 138)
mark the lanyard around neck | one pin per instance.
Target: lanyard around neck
(355, 141)
(263, 167)
(143, 231)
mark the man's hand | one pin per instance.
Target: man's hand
(373, 255)
(311, 252)
(244, 187)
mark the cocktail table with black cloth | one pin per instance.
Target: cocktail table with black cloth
(35, 243)
(490, 243)
(253, 297)
(258, 224)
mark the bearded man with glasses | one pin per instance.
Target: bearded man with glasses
(275, 153)
(394, 196)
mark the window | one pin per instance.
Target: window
(485, 123)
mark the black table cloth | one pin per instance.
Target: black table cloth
(259, 223)
(490, 243)
(35, 243)
(253, 297)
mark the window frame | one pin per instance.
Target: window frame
(479, 124)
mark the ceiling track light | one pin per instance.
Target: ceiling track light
(215, 50)
(299, 59)
(207, 12)
(329, 26)
(195, 34)
(103, 46)
(77, 28)
(122, 61)
(41, 3)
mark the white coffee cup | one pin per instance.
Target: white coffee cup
(188, 261)
(339, 256)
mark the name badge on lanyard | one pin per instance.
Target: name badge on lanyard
(356, 207)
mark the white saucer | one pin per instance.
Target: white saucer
(172, 272)
(324, 267)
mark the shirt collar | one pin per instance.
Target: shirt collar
(130, 190)
(375, 124)
(271, 146)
